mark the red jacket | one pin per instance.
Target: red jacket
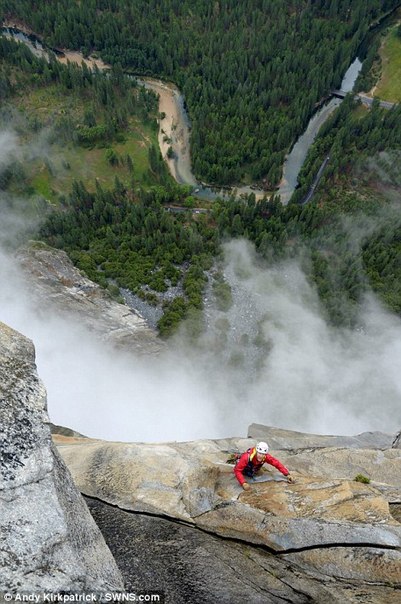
(249, 461)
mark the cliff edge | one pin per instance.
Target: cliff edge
(57, 283)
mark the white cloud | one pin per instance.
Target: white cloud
(313, 378)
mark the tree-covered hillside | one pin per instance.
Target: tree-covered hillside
(349, 235)
(347, 238)
(94, 126)
(70, 128)
(136, 244)
(251, 71)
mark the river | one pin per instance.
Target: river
(174, 128)
(297, 156)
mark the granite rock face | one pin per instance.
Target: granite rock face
(397, 441)
(55, 281)
(49, 541)
(327, 524)
(290, 440)
(198, 566)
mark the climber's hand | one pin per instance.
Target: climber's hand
(290, 479)
(246, 486)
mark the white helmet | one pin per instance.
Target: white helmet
(262, 448)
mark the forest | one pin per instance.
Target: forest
(138, 246)
(358, 194)
(251, 72)
(124, 234)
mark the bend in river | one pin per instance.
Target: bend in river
(174, 128)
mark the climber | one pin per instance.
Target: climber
(251, 462)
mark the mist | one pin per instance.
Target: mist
(99, 391)
(271, 358)
(309, 377)
(314, 377)
(9, 148)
